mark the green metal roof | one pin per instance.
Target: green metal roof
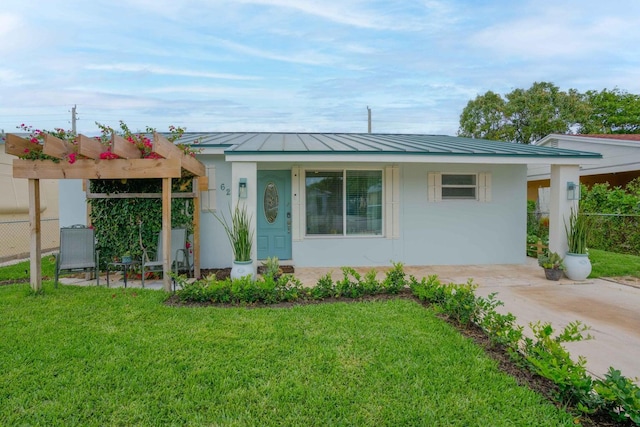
(256, 143)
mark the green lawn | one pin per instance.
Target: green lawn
(97, 356)
(609, 264)
(20, 271)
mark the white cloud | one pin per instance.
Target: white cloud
(10, 77)
(342, 12)
(301, 64)
(16, 36)
(547, 32)
(154, 69)
(308, 57)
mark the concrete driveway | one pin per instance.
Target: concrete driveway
(611, 309)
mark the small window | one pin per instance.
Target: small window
(459, 186)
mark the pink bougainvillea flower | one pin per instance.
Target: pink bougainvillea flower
(108, 155)
(72, 158)
(26, 150)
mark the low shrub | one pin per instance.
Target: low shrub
(324, 288)
(349, 286)
(395, 279)
(547, 357)
(267, 290)
(457, 301)
(619, 396)
(500, 328)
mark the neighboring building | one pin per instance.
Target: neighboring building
(620, 160)
(328, 199)
(14, 211)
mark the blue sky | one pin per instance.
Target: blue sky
(282, 65)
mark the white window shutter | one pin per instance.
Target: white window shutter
(208, 201)
(484, 187)
(392, 202)
(434, 186)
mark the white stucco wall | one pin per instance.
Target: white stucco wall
(431, 233)
(617, 156)
(215, 250)
(438, 233)
(73, 206)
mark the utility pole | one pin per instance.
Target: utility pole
(369, 120)
(73, 120)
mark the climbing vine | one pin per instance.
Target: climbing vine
(119, 223)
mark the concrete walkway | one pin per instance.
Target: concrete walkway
(611, 309)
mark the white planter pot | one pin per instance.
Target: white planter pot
(577, 266)
(242, 269)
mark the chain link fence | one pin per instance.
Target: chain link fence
(619, 233)
(15, 238)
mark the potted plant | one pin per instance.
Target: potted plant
(577, 263)
(240, 235)
(126, 257)
(553, 265)
(272, 268)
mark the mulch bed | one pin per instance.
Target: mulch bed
(224, 273)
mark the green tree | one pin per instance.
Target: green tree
(612, 111)
(540, 110)
(485, 117)
(524, 115)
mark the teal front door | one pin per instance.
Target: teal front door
(274, 214)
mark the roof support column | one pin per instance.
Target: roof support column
(246, 172)
(166, 234)
(559, 206)
(35, 260)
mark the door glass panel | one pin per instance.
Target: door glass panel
(271, 200)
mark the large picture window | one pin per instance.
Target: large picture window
(344, 202)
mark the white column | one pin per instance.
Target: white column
(249, 171)
(559, 206)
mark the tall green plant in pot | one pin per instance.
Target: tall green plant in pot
(240, 235)
(577, 263)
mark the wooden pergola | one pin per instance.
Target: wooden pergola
(88, 165)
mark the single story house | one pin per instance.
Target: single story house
(620, 160)
(345, 199)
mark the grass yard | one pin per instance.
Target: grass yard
(609, 264)
(20, 270)
(97, 356)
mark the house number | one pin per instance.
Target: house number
(225, 189)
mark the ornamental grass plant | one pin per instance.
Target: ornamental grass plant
(239, 232)
(577, 232)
